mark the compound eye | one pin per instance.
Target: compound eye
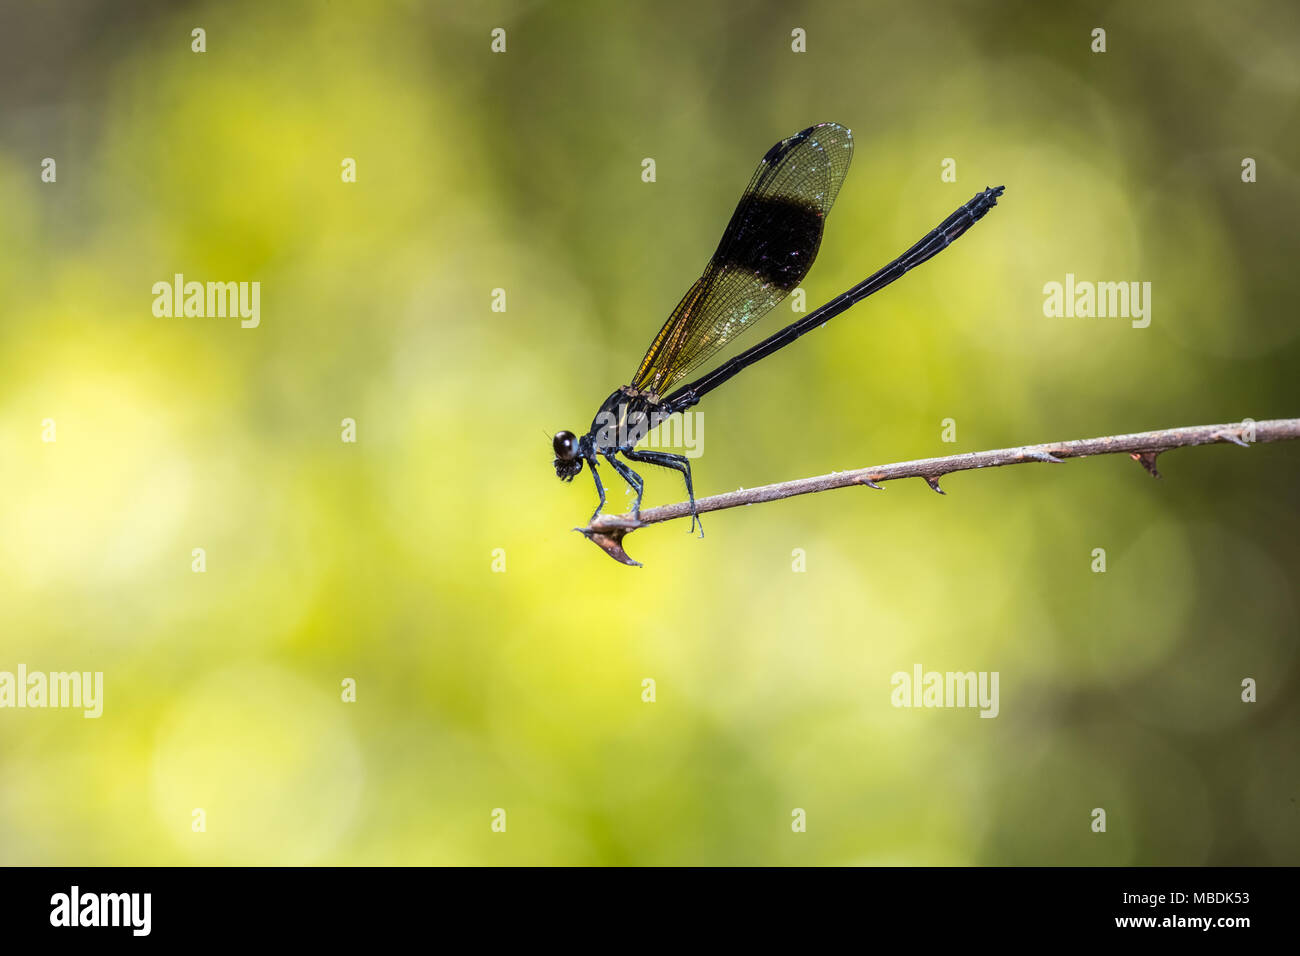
(566, 445)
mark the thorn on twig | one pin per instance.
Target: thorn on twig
(934, 483)
(610, 540)
(1147, 459)
(871, 484)
(1034, 454)
(1229, 436)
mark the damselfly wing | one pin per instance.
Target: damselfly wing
(768, 247)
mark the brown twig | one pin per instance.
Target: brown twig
(608, 531)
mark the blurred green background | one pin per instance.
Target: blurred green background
(522, 690)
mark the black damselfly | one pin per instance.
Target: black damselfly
(766, 251)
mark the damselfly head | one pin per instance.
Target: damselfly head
(567, 462)
(565, 445)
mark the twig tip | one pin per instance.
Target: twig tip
(610, 540)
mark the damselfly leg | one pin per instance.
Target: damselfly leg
(600, 489)
(677, 463)
(632, 478)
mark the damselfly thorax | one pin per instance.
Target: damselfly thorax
(625, 419)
